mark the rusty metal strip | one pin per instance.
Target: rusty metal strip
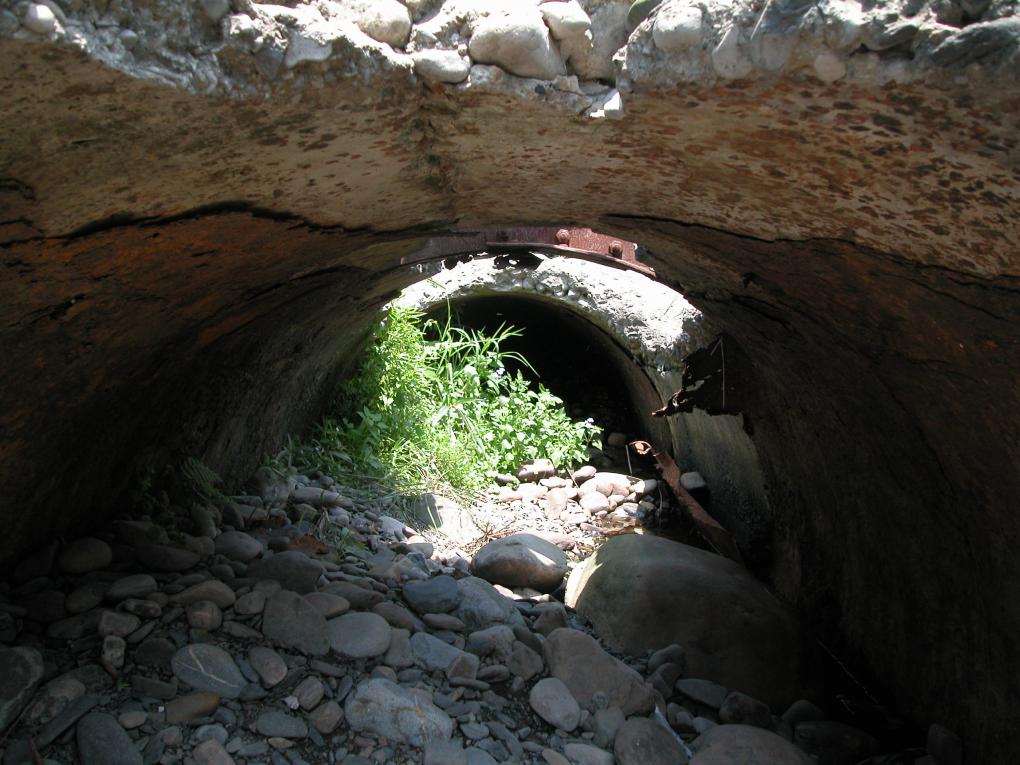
(707, 526)
(581, 243)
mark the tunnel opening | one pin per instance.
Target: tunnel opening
(571, 357)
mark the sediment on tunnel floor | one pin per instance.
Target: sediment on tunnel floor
(193, 242)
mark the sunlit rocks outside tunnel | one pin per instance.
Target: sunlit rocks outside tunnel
(204, 208)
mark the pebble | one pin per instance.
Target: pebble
(204, 615)
(359, 635)
(208, 667)
(185, 708)
(40, 19)
(553, 702)
(292, 621)
(269, 665)
(438, 595)
(238, 545)
(327, 604)
(293, 570)
(119, 624)
(382, 707)
(102, 741)
(280, 724)
(211, 752)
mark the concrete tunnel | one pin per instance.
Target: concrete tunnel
(195, 245)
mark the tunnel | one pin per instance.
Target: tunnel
(202, 215)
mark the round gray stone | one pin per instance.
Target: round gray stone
(102, 741)
(359, 635)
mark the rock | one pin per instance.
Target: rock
(445, 753)
(432, 654)
(802, 710)
(251, 603)
(207, 667)
(212, 589)
(115, 623)
(39, 19)
(738, 744)
(834, 743)
(166, 558)
(565, 19)
(524, 662)
(398, 616)
(132, 718)
(102, 741)
(185, 708)
(290, 620)
(268, 664)
(211, 751)
(21, 669)
(277, 723)
(482, 606)
(385, 708)
(671, 654)
(50, 701)
(755, 644)
(315, 496)
(237, 545)
(358, 597)
(85, 598)
(438, 595)
(740, 709)
(497, 641)
(84, 555)
(384, 20)
(521, 560)
(551, 616)
(586, 754)
(594, 503)
(703, 692)
(204, 615)
(677, 26)
(606, 723)
(133, 586)
(358, 635)
(641, 741)
(326, 717)
(113, 652)
(586, 669)
(292, 569)
(553, 702)
(328, 604)
(517, 40)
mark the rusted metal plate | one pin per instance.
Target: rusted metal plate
(582, 243)
(709, 528)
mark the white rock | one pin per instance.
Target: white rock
(216, 9)
(692, 481)
(677, 26)
(441, 65)
(386, 21)
(565, 19)
(519, 42)
(829, 67)
(305, 47)
(40, 19)
(728, 59)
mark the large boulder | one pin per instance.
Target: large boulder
(586, 669)
(519, 42)
(521, 560)
(643, 593)
(745, 745)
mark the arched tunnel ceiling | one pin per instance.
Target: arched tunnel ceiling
(193, 250)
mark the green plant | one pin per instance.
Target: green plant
(434, 407)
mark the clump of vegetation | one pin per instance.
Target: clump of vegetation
(435, 408)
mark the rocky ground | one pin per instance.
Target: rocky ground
(312, 623)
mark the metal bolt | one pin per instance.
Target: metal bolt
(616, 249)
(563, 236)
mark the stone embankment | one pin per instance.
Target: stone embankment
(308, 624)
